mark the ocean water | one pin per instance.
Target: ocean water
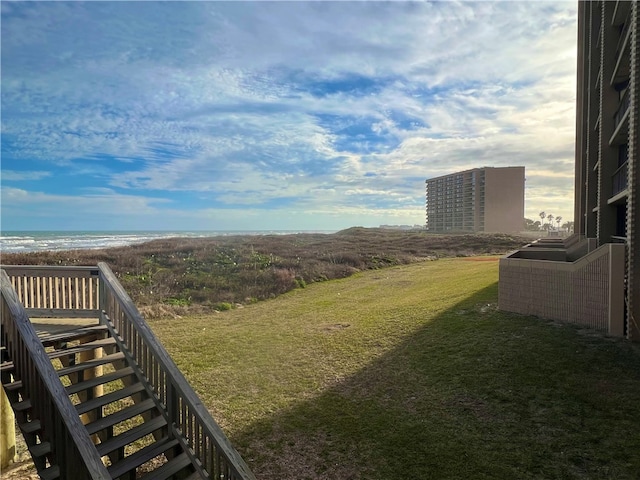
(31, 241)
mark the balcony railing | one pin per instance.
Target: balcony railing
(619, 179)
(619, 73)
(623, 35)
(622, 109)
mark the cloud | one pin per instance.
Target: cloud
(17, 176)
(329, 106)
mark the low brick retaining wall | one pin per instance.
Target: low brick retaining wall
(589, 291)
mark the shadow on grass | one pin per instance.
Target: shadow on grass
(475, 393)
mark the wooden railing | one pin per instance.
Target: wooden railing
(185, 412)
(72, 449)
(56, 291)
(42, 291)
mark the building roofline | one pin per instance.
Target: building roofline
(472, 170)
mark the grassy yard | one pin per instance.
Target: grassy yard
(410, 372)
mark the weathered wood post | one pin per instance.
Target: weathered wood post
(7, 431)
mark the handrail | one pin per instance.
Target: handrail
(184, 409)
(72, 449)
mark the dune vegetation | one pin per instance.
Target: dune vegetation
(180, 276)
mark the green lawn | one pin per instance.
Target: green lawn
(410, 372)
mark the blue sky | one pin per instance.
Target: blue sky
(276, 115)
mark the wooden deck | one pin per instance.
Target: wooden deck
(46, 327)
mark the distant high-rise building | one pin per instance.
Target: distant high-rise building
(593, 277)
(478, 200)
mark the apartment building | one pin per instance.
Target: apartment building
(601, 263)
(478, 200)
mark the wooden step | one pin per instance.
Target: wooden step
(12, 386)
(6, 366)
(22, 406)
(102, 379)
(50, 473)
(114, 357)
(70, 335)
(120, 416)
(168, 469)
(109, 398)
(30, 427)
(119, 441)
(40, 449)
(142, 456)
(83, 347)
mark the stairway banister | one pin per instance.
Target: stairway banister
(173, 374)
(37, 361)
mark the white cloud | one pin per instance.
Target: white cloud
(17, 176)
(218, 101)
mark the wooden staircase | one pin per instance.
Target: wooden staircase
(140, 421)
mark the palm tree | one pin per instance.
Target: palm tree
(558, 220)
(543, 215)
(568, 226)
(550, 218)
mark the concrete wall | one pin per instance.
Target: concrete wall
(504, 199)
(588, 292)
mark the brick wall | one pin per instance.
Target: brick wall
(578, 292)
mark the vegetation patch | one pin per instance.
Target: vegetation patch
(199, 274)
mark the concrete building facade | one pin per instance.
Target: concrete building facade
(478, 200)
(607, 185)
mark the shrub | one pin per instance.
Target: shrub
(223, 306)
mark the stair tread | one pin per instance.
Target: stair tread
(168, 469)
(120, 416)
(100, 380)
(6, 366)
(30, 427)
(141, 456)
(114, 357)
(83, 347)
(11, 386)
(132, 435)
(40, 449)
(22, 406)
(103, 400)
(74, 334)
(50, 473)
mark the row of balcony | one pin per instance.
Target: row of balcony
(456, 205)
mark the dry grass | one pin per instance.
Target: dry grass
(187, 276)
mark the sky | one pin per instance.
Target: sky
(277, 115)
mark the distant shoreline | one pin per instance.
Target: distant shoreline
(21, 241)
